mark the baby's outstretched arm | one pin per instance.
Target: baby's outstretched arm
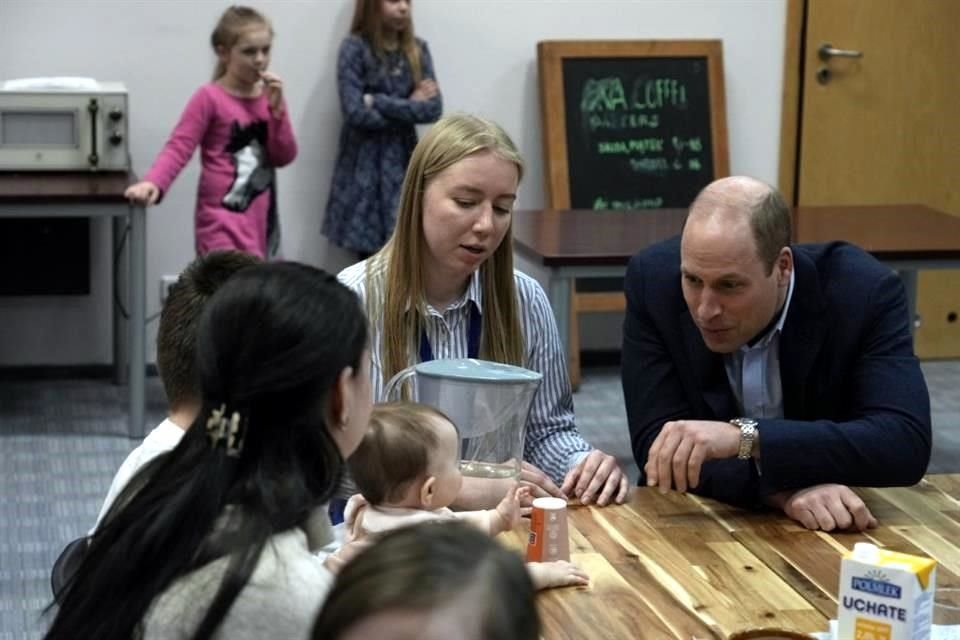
(547, 575)
(504, 518)
(507, 514)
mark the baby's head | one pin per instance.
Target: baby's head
(409, 457)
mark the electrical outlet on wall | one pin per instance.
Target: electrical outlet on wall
(165, 283)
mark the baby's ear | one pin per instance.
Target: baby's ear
(427, 492)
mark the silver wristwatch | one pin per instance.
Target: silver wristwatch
(748, 436)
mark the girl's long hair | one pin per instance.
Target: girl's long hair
(395, 279)
(368, 24)
(271, 345)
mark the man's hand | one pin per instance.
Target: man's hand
(825, 507)
(597, 476)
(678, 453)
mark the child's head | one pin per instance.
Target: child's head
(431, 582)
(410, 456)
(242, 41)
(377, 21)
(176, 337)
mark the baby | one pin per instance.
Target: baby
(408, 471)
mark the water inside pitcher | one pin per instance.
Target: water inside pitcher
(488, 402)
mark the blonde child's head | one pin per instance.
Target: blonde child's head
(231, 26)
(408, 457)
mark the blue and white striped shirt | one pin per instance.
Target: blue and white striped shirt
(552, 441)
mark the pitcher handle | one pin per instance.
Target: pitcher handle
(395, 383)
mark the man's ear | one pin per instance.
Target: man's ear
(784, 266)
(427, 491)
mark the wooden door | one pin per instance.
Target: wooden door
(885, 128)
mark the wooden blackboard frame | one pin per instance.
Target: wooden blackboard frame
(550, 56)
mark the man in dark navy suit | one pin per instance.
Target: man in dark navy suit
(760, 372)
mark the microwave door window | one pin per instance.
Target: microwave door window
(39, 129)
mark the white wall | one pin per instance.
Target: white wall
(485, 54)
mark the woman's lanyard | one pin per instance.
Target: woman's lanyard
(473, 337)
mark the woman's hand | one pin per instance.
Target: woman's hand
(597, 479)
(342, 556)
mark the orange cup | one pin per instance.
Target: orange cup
(549, 539)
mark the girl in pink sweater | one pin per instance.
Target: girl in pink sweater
(241, 124)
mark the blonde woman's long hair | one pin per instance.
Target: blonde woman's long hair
(394, 277)
(368, 24)
(229, 27)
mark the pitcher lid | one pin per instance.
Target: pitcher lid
(476, 371)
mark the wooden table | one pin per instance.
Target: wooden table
(582, 244)
(677, 566)
(94, 194)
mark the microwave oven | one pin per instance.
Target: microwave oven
(64, 128)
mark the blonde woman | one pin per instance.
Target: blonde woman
(444, 286)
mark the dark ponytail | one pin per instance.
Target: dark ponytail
(271, 344)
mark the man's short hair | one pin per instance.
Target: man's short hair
(771, 227)
(395, 451)
(768, 214)
(176, 336)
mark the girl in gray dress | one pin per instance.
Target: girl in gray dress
(387, 85)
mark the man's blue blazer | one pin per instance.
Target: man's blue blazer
(856, 407)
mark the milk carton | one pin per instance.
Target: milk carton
(885, 595)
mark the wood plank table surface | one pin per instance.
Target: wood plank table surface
(679, 566)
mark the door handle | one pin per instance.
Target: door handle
(826, 51)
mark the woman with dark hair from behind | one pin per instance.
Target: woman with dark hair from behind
(431, 581)
(215, 538)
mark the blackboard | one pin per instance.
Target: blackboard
(631, 124)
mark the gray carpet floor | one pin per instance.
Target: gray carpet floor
(61, 441)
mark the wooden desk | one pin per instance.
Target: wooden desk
(88, 195)
(679, 567)
(598, 244)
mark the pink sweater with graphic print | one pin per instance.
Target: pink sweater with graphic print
(240, 145)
